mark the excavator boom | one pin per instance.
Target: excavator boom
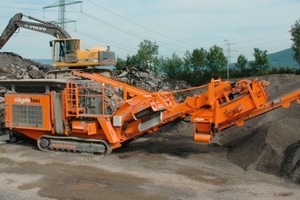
(17, 22)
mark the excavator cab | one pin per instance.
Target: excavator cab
(64, 50)
(66, 53)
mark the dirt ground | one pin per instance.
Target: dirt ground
(160, 166)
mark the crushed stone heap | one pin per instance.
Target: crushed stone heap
(13, 66)
(147, 80)
(269, 143)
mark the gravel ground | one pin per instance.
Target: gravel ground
(160, 166)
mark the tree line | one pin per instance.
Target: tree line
(200, 65)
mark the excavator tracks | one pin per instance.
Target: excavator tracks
(67, 73)
(74, 145)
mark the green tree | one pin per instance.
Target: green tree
(295, 32)
(198, 59)
(172, 67)
(129, 62)
(195, 70)
(216, 61)
(121, 63)
(241, 64)
(260, 65)
(147, 55)
(187, 62)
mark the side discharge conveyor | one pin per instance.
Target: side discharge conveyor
(96, 114)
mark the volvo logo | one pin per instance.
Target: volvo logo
(38, 28)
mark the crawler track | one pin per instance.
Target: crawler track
(74, 145)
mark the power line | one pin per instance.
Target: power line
(94, 37)
(139, 25)
(29, 8)
(61, 4)
(262, 43)
(261, 38)
(135, 35)
(116, 44)
(161, 22)
(18, 2)
(23, 8)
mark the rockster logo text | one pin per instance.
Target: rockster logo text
(26, 100)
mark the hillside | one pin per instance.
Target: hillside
(282, 58)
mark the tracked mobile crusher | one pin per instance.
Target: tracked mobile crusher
(95, 114)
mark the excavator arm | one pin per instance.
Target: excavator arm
(66, 51)
(16, 22)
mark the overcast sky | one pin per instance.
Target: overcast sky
(175, 25)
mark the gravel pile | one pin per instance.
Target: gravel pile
(269, 143)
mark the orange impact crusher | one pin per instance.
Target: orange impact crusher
(95, 114)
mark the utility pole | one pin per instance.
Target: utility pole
(61, 4)
(228, 55)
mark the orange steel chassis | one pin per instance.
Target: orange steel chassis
(222, 105)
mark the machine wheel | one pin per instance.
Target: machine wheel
(108, 148)
(44, 143)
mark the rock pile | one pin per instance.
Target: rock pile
(147, 80)
(13, 66)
